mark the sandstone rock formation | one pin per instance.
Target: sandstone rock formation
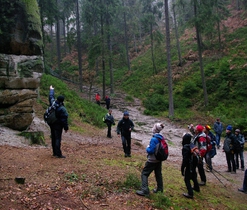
(21, 62)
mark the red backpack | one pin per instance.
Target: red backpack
(161, 151)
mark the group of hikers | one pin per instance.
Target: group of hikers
(197, 144)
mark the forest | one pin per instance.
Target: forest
(185, 59)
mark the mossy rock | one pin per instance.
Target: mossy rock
(35, 137)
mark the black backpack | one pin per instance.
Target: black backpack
(50, 114)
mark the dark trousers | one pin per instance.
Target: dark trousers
(201, 172)
(56, 137)
(240, 154)
(109, 129)
(147, 170)
(208, 160)
(230, 161)
(107, 105)
(245, 180)
(191, 175)
(126, 142)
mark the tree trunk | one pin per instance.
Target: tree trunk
(126, 40)
(102, 51)
(199, 45)
(79, 44)
(168, 54)
(58, 41)
(152, 48)
(177, 37)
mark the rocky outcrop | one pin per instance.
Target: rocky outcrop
(21, 62)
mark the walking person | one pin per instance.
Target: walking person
(152, 164)
(229, 150)
(109, 120)
(218, 129)
(188, 167)
(60, 124)
(107, 102)
(239, 149)
(124, 127)
(97, 98)
(200, 141)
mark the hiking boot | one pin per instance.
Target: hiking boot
(202, 183)
(242, 169)
(228, 171)
(233, 172)
(61, 156)
(142, 193)
(129, 155)
(156, 191)
(242, 190)
(126, 155)
(187, 195)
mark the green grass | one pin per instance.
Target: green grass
(78, 108)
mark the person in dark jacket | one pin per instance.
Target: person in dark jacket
(188, 167)
(210, 154)
(152, 163)
(125, 126)
(229, 150)
(109, 120)
(239, 150)
(60, 124)
(218, 129)
(244, 188)
(107, 102)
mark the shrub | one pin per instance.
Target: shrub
(156, 103)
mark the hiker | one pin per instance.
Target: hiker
(191, 129)
(218, 129)
(200, 141)
(152, 164)
(97, 98)
(109, 120)
(239, 149)
(125, 126)
(60, 124)
(188, 167)
(107, 102)
(244, 188)
(229, 150)
(210, 154)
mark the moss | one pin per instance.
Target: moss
(34, 22)
(34, 137)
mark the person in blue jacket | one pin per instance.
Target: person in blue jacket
(152, 163)
(60, 124)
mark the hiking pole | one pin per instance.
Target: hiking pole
(218, 179)
(221, 175)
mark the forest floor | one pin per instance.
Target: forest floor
(93, 172)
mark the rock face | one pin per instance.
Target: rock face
(21, 62)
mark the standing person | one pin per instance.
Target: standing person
(152, 164)
(200, 141)
(125, 126)
(244, 188)
(239, 150)
(107, 102)
(210, 154)
(188, 167)
(229, 150)
(218, 129)
(109, 120)
(60, 124)
(97, 98)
